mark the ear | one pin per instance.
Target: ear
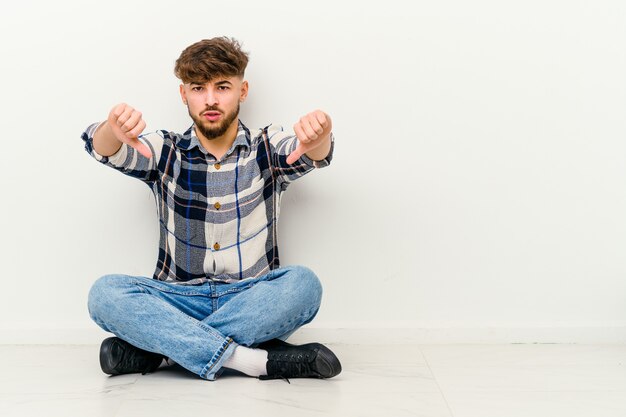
(183, 94)
(244, 91)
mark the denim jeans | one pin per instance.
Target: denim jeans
(199, 326)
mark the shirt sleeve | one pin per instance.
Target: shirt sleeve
(282, 145)
(127, 160)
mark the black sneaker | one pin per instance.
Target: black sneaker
(312, 360)
(118, 357)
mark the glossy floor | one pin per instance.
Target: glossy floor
(385, 381)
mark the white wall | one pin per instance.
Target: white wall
(478, 187)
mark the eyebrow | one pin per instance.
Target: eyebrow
(217, 83)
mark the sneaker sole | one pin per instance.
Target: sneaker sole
(326, 363)
(105, 356)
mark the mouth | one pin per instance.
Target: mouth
(212, 115)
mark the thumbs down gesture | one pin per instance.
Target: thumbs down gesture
(313, 133)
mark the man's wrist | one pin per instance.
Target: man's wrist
(321, 152)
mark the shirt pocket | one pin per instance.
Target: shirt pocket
(186, 198)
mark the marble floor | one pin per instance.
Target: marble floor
(386, 381)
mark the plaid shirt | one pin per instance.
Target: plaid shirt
(217, 218)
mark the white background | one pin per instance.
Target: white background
(478, 180)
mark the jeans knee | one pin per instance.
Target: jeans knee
(308, 286)
(101, 295)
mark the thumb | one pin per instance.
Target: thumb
(141, 147)
(296, 154)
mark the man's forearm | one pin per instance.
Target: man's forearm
(104, 141)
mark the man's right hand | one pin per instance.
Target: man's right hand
(127, 124)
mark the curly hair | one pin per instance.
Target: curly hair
(210, 58)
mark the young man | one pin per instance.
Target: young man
(218, 298)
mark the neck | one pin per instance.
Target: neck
(220, 145)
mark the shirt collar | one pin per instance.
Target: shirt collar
(189, 140)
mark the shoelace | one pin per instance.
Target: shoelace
(295, 365)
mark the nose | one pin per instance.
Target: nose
(211, 97)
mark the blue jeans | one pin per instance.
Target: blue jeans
(199, 326)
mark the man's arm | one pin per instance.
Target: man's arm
(116, 143)
(124, 125)
(296, 155)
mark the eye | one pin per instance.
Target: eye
(223, 87)
(197, 88)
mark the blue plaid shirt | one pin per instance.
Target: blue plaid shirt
(217, 218)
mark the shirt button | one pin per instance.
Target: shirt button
(216, 246)
(217, 206)
(217, 166)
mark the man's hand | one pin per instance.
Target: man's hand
(313, 132)
(127, 124)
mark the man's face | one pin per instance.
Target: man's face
(214, 106)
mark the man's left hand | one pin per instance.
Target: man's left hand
(313, 133)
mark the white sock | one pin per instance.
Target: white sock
(250, 361)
